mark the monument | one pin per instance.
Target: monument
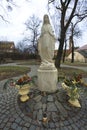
(47, 73)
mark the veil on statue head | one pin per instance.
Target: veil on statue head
(46, 19)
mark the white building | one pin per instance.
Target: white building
(80, 55)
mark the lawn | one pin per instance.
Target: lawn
(29, 62)
(79, 64)
(66, 71)
(12, 71)
(37, 62)
(62, 71)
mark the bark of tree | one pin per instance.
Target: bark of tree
(72, 59)
(62, 37)
(64, 53)
(60, 52)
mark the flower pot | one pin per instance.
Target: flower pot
(74, 102)
(23, 91)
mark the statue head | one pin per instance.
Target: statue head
(46, 19)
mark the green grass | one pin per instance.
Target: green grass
(75, 64)
(12, 71)
(37, 62)
(66, 71)
(29, 62)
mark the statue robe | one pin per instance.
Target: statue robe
(46, 43)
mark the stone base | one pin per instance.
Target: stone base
(47, 80)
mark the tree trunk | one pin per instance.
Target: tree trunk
(59, 53)
(64, 54)
(72, 59)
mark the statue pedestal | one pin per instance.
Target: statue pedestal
(47, 80)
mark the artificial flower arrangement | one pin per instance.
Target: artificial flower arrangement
(71, 85)
(78, 80)
(24, 84)
(23, 80)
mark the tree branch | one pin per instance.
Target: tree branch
(61, 2)
(80, 17)
(4, 19)
(50, 1)
(72, 13)
(67, 3)
(12, 3)
(58, 8)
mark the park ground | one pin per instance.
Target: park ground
(22, 67)
(15, 115)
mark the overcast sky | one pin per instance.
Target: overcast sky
(14, 30)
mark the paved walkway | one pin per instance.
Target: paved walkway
(15, 115)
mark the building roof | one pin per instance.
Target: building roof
(82, 48)
(6, 45)
(83, 52)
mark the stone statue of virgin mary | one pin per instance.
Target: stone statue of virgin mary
(46, 44)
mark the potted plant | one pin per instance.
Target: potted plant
(23, 84)
(71, 86)
(73, 93)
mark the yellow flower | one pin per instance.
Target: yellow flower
(74, 82)
(75, 90)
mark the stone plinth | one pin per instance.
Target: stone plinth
(47, 80)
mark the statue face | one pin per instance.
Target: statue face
(46, 19)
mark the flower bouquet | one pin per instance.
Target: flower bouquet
(71, 86)
(23, 84)
(79, 80)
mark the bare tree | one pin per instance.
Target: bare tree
(68, 10)
(74, 32)
(21, 45)
(33, 26)
(72, 35)
(6, 6)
